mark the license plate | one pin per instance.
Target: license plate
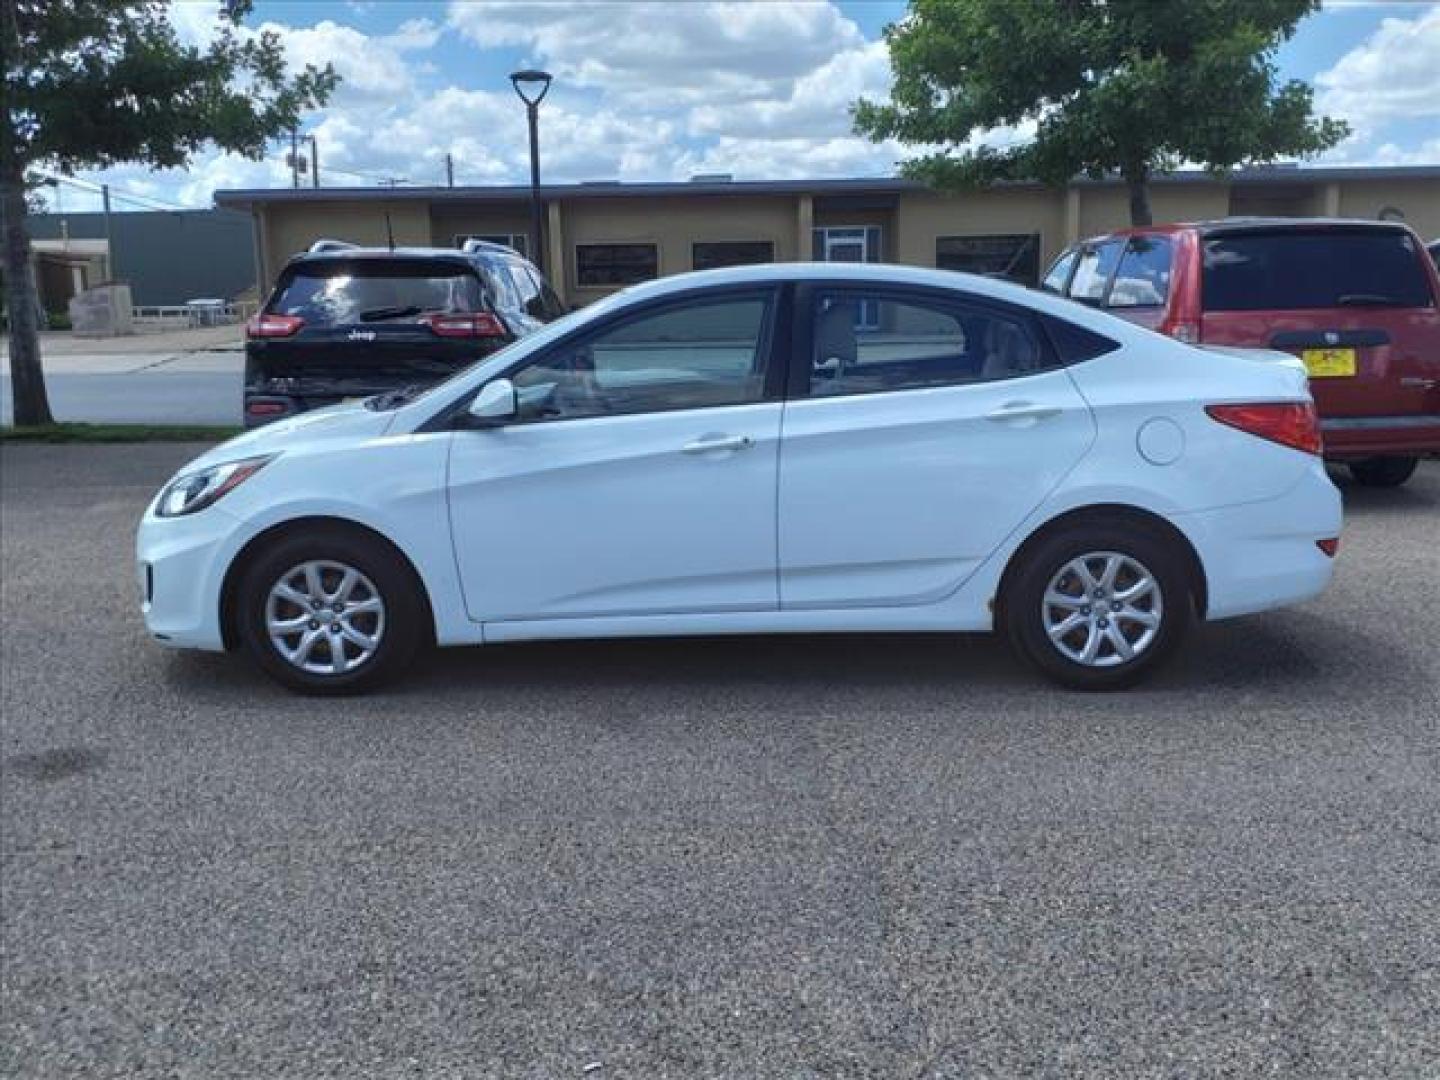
(350, 400)
(1329, 363)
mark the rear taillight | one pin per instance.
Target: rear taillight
(1329, 546)
(1289, 423)
(265, 408)
(471, 324)
(267, 326)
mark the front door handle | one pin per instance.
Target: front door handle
(1022, 410)
(708, 444)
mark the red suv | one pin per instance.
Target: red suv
(1358, 301)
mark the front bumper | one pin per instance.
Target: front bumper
(181, 570)
(1264, 555)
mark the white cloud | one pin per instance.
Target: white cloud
(666, 53)
(818, 105)
(412, 35)
(371, 69)
(1394, 74)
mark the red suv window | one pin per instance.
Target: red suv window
(1294, 270)
(1143, 277)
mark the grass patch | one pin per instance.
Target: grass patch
(116, 433)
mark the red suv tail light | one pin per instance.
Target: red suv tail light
(1289, 423)
(478, 324)
(264, 325)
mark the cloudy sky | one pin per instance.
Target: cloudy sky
(757, 88)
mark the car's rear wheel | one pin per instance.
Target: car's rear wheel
(1099, 607)
(330, 612)
(1383, 471)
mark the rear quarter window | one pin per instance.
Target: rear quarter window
(1325, 268)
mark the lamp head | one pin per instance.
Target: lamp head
(531, 85)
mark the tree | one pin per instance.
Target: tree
(1128, 86)
(95, 83)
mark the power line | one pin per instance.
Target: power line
(135, 198)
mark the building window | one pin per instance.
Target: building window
(1015, 256)
(615, 264)
(713, 254)
(518, 242)
(845, 243)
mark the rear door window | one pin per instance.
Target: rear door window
(1143, 276)
(1092, 272)
(1324, 268)
(341, 293)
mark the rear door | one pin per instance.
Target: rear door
(374, 319)
(914, 444)
(1355, 301)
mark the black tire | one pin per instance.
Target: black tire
(1383, 472)
(405, 615)
(1025, 616)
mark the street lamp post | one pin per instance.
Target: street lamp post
(532, 86)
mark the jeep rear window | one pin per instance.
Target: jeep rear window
(1295, 270)
(340, 293)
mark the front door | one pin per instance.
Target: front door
(918, 447)
(639, 477)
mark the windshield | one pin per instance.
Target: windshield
(341, 293)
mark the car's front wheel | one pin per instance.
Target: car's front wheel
(1099, 607)
(330, 612)
(1383, 472)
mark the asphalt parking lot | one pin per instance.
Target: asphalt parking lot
(810, 857)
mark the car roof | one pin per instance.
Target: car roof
(880, 273)
(340, 253)
(1232, 225)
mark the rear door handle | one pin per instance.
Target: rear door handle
(708, 444)
(1022, 410)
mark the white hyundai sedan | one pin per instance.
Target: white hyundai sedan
(783, 448)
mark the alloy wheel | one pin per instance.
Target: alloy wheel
(325, 617)
(1102, 609)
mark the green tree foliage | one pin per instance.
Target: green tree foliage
(1128, 86)
(94, 83)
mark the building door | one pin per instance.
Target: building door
(857, 244)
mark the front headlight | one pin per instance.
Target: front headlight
(197, 490)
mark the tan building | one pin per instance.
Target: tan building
(602, 236)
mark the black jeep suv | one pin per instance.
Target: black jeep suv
(348, 322)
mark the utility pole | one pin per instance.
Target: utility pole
(295, 157)
(314, 163)
(449, 171)
(109, 234)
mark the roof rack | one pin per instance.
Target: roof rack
(331, 245)
(473, 245)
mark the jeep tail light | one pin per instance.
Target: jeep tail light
(265, 325)
(1289, 423)
(1330, 546)
(474, 324)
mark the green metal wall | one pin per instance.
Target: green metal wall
(168, 257)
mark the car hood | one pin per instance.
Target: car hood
(347, 421)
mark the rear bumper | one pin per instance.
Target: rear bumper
(1349, 438)
(1264, 555)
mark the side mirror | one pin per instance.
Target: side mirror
(495, 403)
